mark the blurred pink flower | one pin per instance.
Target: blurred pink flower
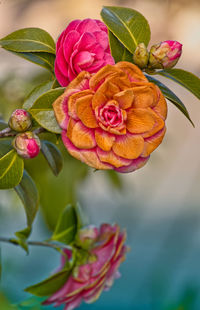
(165, 55)
(83, 45)
(27, 144)
(87, 281)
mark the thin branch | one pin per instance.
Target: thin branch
(39, 130)
(36, 243)
(7, 132)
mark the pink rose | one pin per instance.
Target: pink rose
(165, 55)
(83, 45)
(87, 281)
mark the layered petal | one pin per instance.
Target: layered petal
(128, 146)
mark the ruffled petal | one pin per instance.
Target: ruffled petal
(145, 95)
(125, 98)
(81, 136)
(140, 120)
(104, 139)
(112, 159)
(150, 144)
(133, 72)
(128, 146)
(63, 80)
(68, 46)
(84, 111)
(135, 164)
(72, 101)
(161, 107)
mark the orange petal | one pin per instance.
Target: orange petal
(81, 136)
(101, 75)
(112, 159)
(73, 99)
(150, 144)
(60, 114)
(104, 93)
(128, 146)
(140, 120)
(104, 140)
(133, 72)
(158, 125)
(145, 95)
(125, 98)
(161, 107)
(85, 112)
(81, 82)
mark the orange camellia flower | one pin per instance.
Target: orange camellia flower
(113, 119)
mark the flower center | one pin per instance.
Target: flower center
(111, 115)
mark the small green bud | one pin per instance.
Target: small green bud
(20, 120)
(141, 56)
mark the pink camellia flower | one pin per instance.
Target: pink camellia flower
(88, 280)
(27, 144)
(165, 55)
(83, 45)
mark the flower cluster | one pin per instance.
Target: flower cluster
(87, 281)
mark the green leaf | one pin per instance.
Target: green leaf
(29, 40)
(3, 125)
(28, 193)
(184, 78)
(82, 219)
(53, 156)
(11, 170)
(171, 97)
(50, 285)
(114, 178)
(37, 92)
(5, 147)
(42, 110)
(66, 227)
(45, 60)
(128, 25)
(118, 51)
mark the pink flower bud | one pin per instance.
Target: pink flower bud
(165, 55)
(20, 120)
(88, 280)
(27, 144)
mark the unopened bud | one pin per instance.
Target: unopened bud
(27, 144)
(20, 120)
(141, 56)
(165, 55)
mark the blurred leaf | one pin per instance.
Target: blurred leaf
(55, 84)
(128, 25)
(114, 178)
(31, 302)
(43, 112)
(0, 264)
(118, 51)
(3, 125)
(82, 219)
(37, 92)
(50, 285)
(11, 170)
(66, 227)
(53, 156)
(29, 40)
(171, 96)
(28, 193)
(5, 304)
(184, 78)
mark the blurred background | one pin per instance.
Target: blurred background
(158, 205)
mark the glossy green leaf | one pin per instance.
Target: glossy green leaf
(29, 40)
(42, 110)
(11, 170)
(5, 147)
(118, 51)
(43, 59)
(128, 25)
(171, 97)
(36, 93)
(53, 156)
(66, 227)
(50, 285)
(28, 193)
(184, 78)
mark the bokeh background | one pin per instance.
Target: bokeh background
(158, 205)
